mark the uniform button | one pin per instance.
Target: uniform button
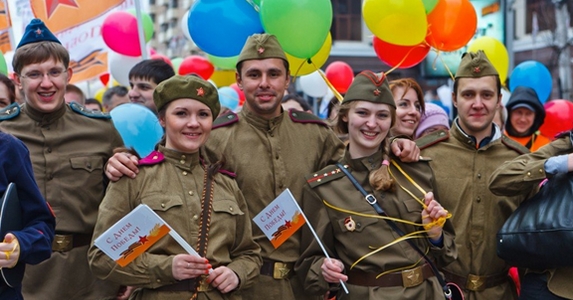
(478, 199)
(162, 205)
(182, 156)
(230, 209)
(541, 171)
(529, 174)
(281, 186)
(51, 176)
(191, 193)
(49, 150)
(277, 156)
(195, 217)
(182, 161)
(358, 225)
(479, 176)
(184, 173)
(89, 165)
(158, 280)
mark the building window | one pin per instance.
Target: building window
(347, 23)
(164, 26)
(174, 22)
(173, 3)
(151, 2)
(545, 12)
(152, 16)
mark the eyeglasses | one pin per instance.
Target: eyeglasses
(35, 75)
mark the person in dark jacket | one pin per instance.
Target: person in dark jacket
(525, 115)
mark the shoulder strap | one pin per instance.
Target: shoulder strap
(226, 119)
(80, 109)
(9, 112)
(371, 199)
(304, 117)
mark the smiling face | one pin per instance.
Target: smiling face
(187, 124)
(141, 92)
(477, 101)
(368, 126)
(44, 84)
(408, 111)
(264, 83)
(522, 119)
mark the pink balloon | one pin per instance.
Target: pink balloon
(119, 32)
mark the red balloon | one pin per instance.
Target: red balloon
(451, 25)
(236, 87)
(558, 117)
(196, 64)
(104, 78)
(392, 55)
(340, 75)
(161, 57)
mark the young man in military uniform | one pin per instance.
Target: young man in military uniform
(270, 150)
(69, 146)
(463, 160)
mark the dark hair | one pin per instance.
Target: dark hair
(114, 90)
(94, 101)
(155, 70)
(39, 52)
(285, 63)
(498, 83)
(10, 87)
(297, 98)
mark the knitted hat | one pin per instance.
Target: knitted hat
(475, 65)
(35, 32)
(371, 87)
(433, 115)
(261, 46)
(192, 87)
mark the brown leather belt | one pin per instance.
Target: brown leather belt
(406, 278)
(277, 269)
(187, 285)
(476, 283)
(64, 242)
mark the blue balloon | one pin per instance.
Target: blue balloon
(228, 97)
(535, 75)
(221, 27)
(138, 126)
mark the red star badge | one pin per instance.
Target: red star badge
(38, 32)
(200, 92)
(143, 239)
(477, 70)
(261, 50)
(377, 92)
(51, 5)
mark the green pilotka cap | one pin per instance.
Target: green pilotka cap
(475, 65)
(371, 87)
(261, 46)
(191, 87)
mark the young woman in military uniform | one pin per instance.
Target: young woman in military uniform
(172, 181)
(365, 250)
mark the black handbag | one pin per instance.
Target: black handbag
(539, 233)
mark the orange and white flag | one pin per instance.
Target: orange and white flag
(280, 219)
(5, 22)
(60, 15)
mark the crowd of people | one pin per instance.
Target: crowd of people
(408, 202)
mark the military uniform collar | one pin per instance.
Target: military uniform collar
(368, 163)
(44, 118)
(458, 133)
(185, 161)
(260, 122)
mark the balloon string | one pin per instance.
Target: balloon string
(446, 66)
(254, 5)
(404, 59)
(300, 67)
(332, 88)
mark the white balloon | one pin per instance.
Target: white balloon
(505, 94)
(120, 65)
(185, 26)
(313, 84)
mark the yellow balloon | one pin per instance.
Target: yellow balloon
(495, 52)
(396, 22)
(99, 94)
(300, 66)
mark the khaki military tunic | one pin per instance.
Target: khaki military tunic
(350, 244)
(462, 174)
(68, 152)
(173, 189)
(269, 156)
(522, 176)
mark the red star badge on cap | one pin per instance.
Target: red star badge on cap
(38, 31)
(200, 92)
(261, 50)
(377, 92)
(477, 70)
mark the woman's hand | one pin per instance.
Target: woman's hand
(223, 279)
(332, 270)
(187, 266)
(433, 212)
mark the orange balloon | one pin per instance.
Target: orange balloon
(451, 24)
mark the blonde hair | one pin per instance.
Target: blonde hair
(380, 178)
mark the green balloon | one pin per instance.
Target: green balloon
(429, 5)
(225, 63)
(3, 65)
(301, 26)
(147, 24)
(176, 62)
